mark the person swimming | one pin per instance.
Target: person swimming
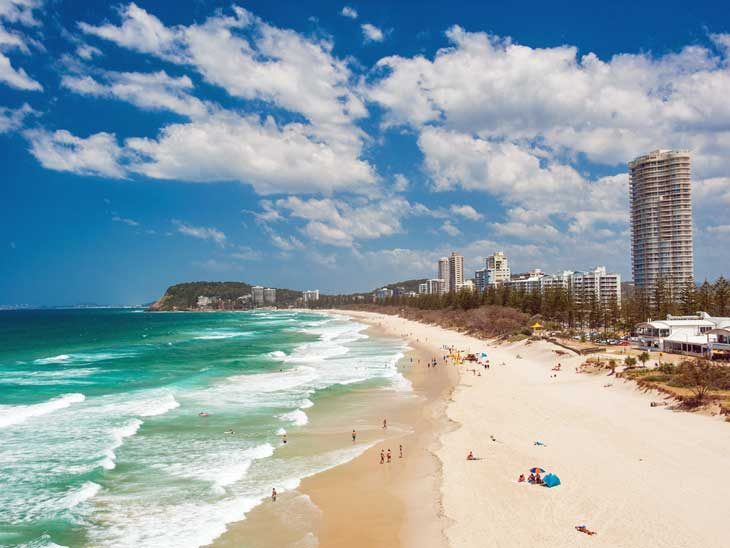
(202, 414)
(229, 431)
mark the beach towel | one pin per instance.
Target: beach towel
(551, 480)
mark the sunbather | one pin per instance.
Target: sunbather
(521, 479)
(470, 456)
(584, 529)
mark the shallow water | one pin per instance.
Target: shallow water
(101, 442)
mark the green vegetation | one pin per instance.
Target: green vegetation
(558, 309)
(184, 296)
(484, 321)
(693, 382)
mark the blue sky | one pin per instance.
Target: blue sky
(339, 145)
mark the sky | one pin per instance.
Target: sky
(344, 145)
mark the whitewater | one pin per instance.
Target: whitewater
(113, 423)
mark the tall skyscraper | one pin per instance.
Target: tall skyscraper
(661, 220)
(443, 272)
(456, 271)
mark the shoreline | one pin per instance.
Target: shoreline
(638, 475)
(382, 501)
(318, 512)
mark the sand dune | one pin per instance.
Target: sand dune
(639, 476)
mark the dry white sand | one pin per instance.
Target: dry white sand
(639, 476)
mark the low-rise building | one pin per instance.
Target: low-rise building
(700, 335)
(382, 294)
(204, 302)
(434, 286)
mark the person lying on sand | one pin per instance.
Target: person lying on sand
(584, 529)
(541, 444)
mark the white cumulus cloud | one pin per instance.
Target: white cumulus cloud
(371, 33)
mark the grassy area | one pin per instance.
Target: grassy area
(694, 383)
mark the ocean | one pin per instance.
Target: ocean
(102, 441)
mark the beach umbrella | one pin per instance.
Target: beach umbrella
(537, 470)
(551, 480)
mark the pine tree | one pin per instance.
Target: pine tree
(721, 297)
(704, 298)
(688, 298)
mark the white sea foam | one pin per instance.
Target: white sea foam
(82, 357)
(297, 417)
(281, 432)
(16, 414)
(306, 404)
(152, 408)
(61, 358)
(216, 335)
(44, 541)
(73, 498)
(277, 355)
(118, 434)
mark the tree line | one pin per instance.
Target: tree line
(559, 306)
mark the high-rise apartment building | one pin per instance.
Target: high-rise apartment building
(443, 272)
(257, 295)
(596, 284)
(310, 296)
(269, 295)
(661, 220)
(456, 272)
(497, 268)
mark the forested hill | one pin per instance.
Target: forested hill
(184, 296)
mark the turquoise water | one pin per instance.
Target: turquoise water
(101, 441)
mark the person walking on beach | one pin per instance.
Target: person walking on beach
(385, 423)
(354, 435)
(388, 455)
(382, 456)
(273, 495)
(400, 449)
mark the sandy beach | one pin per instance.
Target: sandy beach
(637, 475)
(362, 503)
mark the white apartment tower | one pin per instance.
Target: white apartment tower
(661, 220)
(456, 272)
(257, 295)
(497, 269)
(443, 272)
(269, 295)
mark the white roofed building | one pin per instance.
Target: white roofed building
(700, 335)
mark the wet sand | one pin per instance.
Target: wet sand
(362, 503)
